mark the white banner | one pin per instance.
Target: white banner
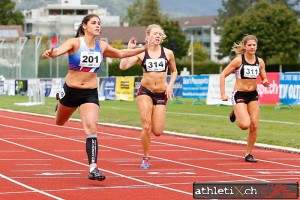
(57, 84)
(213, 95)
(11, 87)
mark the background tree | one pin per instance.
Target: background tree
(146, 12)
(176, 40)
(200, 52)
(150, 13)
(232, 8)
(133, 16)
(275, 26)
(8, 15)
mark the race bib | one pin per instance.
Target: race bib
(90, 59)
(155, 65)
(251, 71)
(61, 94)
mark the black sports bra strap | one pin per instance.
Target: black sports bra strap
(257, 62)
(243, 59)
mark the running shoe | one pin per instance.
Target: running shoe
(249, 158)
(96, 175)
(232, 116)
(146, 163)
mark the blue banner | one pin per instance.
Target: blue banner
(195, 86)
(2, 87)
(48, 85)
(289, 88)
(177, 87)
(110, 88)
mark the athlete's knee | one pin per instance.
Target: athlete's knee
(157, 134)
(244, 125)
(91, 127)
(146, 128)
(253, 126)
(157, 131)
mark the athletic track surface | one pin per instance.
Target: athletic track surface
(39, 160)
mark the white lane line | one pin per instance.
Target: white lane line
(181, 135)
(165, 144)
(30, 188)
(17, 159)
(122, 150)
(36, 164)
(76, 162)
(154, 142)
(262, 169)
(207, 115)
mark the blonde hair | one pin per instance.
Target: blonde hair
(150, 27)
(239, 48)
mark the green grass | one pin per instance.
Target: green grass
(276, 127)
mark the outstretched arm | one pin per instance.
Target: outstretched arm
(128, 62)
(109, 51)
(64, 48)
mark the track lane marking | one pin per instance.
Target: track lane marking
(156, 142)
(167, 160)
(76, 162)
(30, 188)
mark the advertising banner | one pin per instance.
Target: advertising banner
(110, 88)
(101, 92)
(289, 88)
(269, 95)
(2, 91)
(177, 87)
(56, 86)
(137, 84)
(195, 86)
(125, 88)
(48, 85)
(11, 91)
(21, 87)
(213, 94)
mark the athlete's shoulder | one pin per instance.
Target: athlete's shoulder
(168, 52)
(237, 61)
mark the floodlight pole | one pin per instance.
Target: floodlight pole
(2, 41)
(21, 43)
(37, 44)
(57, 62)
(192, 54)
(106, 62)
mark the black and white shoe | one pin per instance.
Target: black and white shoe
(96, 175)
(249, 158)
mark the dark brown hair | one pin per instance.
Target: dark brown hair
(86, 19)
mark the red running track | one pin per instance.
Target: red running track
(39, 160)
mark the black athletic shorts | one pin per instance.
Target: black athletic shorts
(244, 97)
(73, 97)
(157, 98)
